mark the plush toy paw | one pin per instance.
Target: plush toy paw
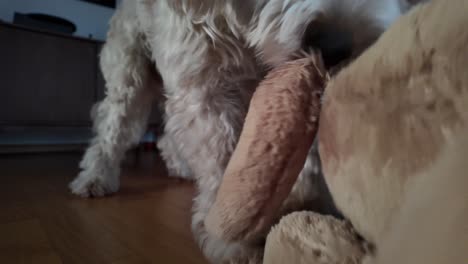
(306, 237)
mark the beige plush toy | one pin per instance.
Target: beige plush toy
(278, 132)
(393, 134)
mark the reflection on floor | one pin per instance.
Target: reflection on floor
(148, 221)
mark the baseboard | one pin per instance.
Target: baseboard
(28, 149)
(16, 140)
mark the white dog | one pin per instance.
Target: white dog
(205, 58)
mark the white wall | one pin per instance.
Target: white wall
(91, 20)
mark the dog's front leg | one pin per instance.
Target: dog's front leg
(120, 119)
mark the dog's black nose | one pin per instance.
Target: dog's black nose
(335, 45)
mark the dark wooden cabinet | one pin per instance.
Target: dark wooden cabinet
(48, 79)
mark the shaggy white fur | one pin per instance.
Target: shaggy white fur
(206, 58)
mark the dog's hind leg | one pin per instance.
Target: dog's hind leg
(206, 127)
(175, 163)
(120, 119)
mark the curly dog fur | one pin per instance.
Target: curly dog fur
(202, 59)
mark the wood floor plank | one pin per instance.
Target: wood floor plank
(26, 242)
(14, 211)
(147, 221)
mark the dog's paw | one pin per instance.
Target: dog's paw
(89, 185)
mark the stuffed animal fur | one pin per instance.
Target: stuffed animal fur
(389, 116)
(392, 139)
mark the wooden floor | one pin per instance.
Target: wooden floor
(148, 221)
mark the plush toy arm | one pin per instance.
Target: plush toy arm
(279, 130)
